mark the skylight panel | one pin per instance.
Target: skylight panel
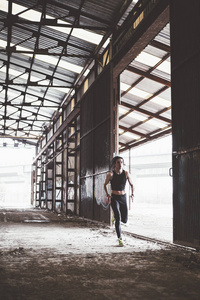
(41, 82)
(147, 59)
(130, 135)
(87, 35)
(33, 15)
(26, 114)
(9, 123)
(124, 86)
(156, 123)
(19, 48)
(25, 77)
(18, 74)
(160, 101)
(70, 67)
(12, 72)
(80, 33)
(14, 94)
(165, 67)
(43, 58)
(30, 14)
(106, 43)
(11, 109)
(4, 5)
(54, 60)
(3, 44)
(121, 131)
(122, 110)
(36, 16)
(47, 58)
(135, 91)
(86, 72)
(137, 116)
(63, 64)
(64, 90)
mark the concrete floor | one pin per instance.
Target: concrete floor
(48, 256)
(151, 220)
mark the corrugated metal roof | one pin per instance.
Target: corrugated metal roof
(145, 90)
(43, 48)
(45, 45)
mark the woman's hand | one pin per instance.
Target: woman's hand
(109, 198)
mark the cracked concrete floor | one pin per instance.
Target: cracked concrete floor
(44, 255)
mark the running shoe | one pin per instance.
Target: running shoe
(120, 242)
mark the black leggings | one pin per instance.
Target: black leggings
(120, 209)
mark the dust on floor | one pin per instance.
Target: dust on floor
(44, 255)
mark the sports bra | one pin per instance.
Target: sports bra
(118, 181)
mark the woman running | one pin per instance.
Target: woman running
(118, 178)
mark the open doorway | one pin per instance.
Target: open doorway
(145, 126)
(151, 213)
(15, 174)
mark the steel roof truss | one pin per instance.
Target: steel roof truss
(148, 113)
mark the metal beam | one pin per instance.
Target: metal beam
(60, 42)
(31, 83)
(129, 129)
(52, 23)
(45, 52)
(28, 69)
(24, 140)
(160, 46)
(150, 138)
(148, 75)
(9, 35)
(76, 12)
(31, 95)
(69, 119)
(146, 112)
(123, 8)
(146, 30)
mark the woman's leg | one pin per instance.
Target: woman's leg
(123, 209)
(116, 209)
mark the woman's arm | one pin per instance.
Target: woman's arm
(131, 183)
(107, 180)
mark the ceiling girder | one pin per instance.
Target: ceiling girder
(76, 12)
(149, 76)
(29, 124)
(39, 98)
(146, 112)
(160, 46)
(136, 143)
(52, 22)
(33, 83)
(44, 52)
(50, 77)
(8, 59)
(60, 42)
(160, 91)
(133, 131)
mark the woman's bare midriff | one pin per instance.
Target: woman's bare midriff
(118, 192)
